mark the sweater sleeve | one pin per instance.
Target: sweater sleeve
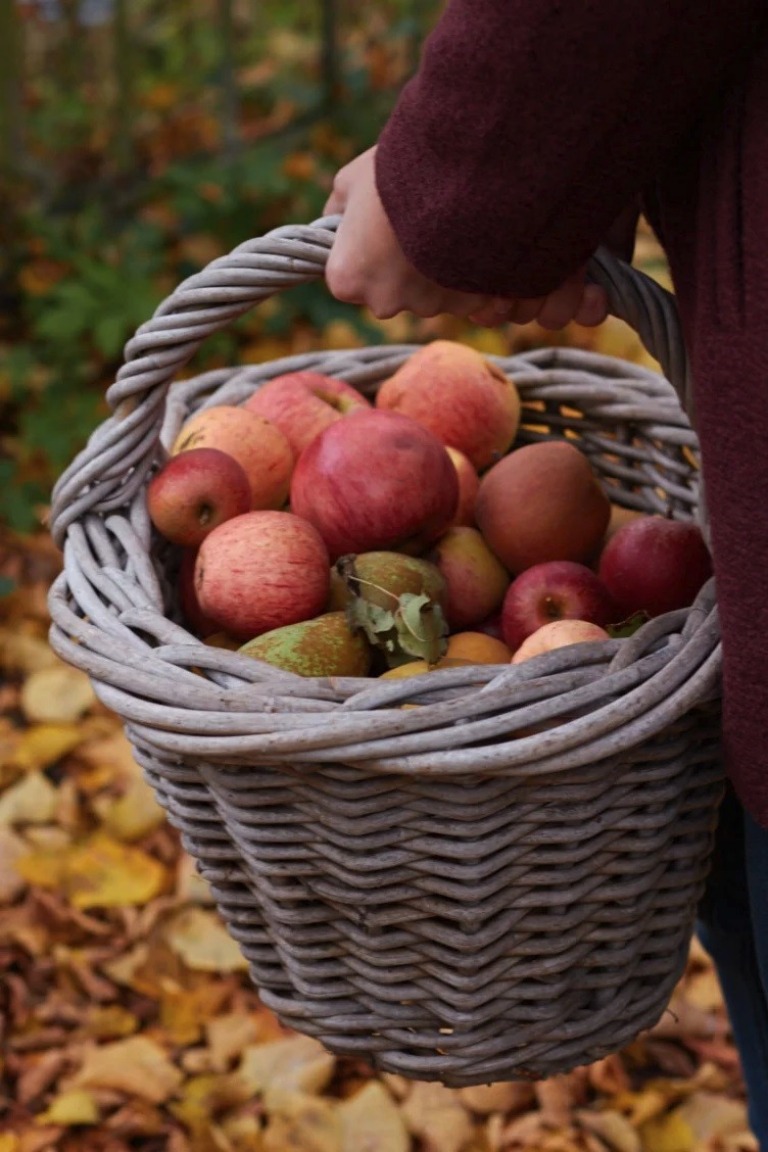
(532, 124)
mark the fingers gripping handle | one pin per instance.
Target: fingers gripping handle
(113, 465)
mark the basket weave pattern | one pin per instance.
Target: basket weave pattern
(498, 883)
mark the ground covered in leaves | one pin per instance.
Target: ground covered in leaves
(127, 1020)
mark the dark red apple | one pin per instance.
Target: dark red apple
(194, 492)
(375, 480)
(655, 565)
(553, 590)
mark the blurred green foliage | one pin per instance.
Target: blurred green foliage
(145, 144)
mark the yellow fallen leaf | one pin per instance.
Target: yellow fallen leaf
(56, 695)
(203, 943)
(228, 1035)
(44, 744)
(97, 873)
(712, 1116)
(204, 1097)
(702, 989)
(372, 1121)
(107, 757)
(32, 800)
(489, 341)
(22, 653)
(184, 1011)
(9, 1142)
(612, 1128)
(137, 1066)
(71, 1108)
(301, 1123)
(191, 887)
(12, 883)
(296, 1063)
(670, 1133)
(134, 814)
(435, 1114)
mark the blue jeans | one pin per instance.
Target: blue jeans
(733, 927)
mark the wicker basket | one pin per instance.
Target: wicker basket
(498, 884)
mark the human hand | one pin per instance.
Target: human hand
(367, 266)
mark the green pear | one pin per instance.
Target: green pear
(380, 578)
(322, 646)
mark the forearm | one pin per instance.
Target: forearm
(531, 126)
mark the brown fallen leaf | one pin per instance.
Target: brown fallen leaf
(298, 1122)
(501, 1097)
(12, 848)
(137, 1066)
(435, 1114)
(372, 1122)
(295, 1063)
(227, 1035)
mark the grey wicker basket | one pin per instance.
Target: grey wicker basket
(498, 884)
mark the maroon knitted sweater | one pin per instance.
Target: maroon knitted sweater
(529, 127)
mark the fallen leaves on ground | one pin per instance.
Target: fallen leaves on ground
(127, 1018)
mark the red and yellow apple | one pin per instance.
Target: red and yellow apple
(464, 399)
(375, 480)
(258, 446)
(558, 634)
(542, 502)
(196, 491)
(260, 571)
(302, 404)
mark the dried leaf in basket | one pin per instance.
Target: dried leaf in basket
(415, 630)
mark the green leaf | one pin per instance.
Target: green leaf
(627, 627)
(421, 627)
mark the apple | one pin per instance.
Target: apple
(558, 634)
(194, 617)
(322, 646)
(469, 483)
(476, 580)
(301, 404)
(375, 480)
(654, 564)
(194, 492)
(554, 590)
(260, 571)
(258, 446)
(542, 502)
(460, 396)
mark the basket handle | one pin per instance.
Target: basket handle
(112, 466)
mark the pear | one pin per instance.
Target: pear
(322, 646)
(380, 578)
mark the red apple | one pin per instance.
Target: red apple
(193, 614)
(375, 481)
(542, 502)
(475, 579)
(554, 590)
(655, 565)
(464, 399)
(196, 491)
(302, 404)
(258, 445)
(262, 570)
(558, 634)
